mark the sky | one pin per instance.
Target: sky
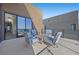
(53, 9)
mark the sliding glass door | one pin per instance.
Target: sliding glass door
(30, 28)
(16, 26)
(28, 25)
(10, 26)
(20, 26)
(23, 25)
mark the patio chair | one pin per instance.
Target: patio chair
(30, 38)
(52, 40)
(27, 38)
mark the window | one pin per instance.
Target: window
(16, 26)
(28, 25)
(24, 25)
(21, 26)
(30, 28)
(73, 27)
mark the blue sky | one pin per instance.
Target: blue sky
(54, 9)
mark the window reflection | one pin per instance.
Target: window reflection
(21, 26)
(28, 25)
(25, 25)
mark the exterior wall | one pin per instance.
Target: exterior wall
(63, 23)
(36, 16)
(1, 26)
(78, 20)
(0, 22)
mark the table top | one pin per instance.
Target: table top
(15, 46)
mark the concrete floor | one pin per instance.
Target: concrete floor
(18, 47)
(65, 47)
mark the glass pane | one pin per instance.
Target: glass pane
(10, 26)
(21, 26)
(28, 25)
(73, 27)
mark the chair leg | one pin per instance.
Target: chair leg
(42, 50)
(50, 51)
(55, 46)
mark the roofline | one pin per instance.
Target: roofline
(62, 14)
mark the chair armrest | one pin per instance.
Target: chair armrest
(51, 36)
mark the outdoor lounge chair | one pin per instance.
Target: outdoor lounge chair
(30, 38)
(52, 40)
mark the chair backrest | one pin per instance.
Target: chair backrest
(58, 36)
(48, 32)
(27, 38)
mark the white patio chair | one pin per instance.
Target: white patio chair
(52, 40)
(30, 39)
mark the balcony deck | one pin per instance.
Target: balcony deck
(65, 47)
(18, 47)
